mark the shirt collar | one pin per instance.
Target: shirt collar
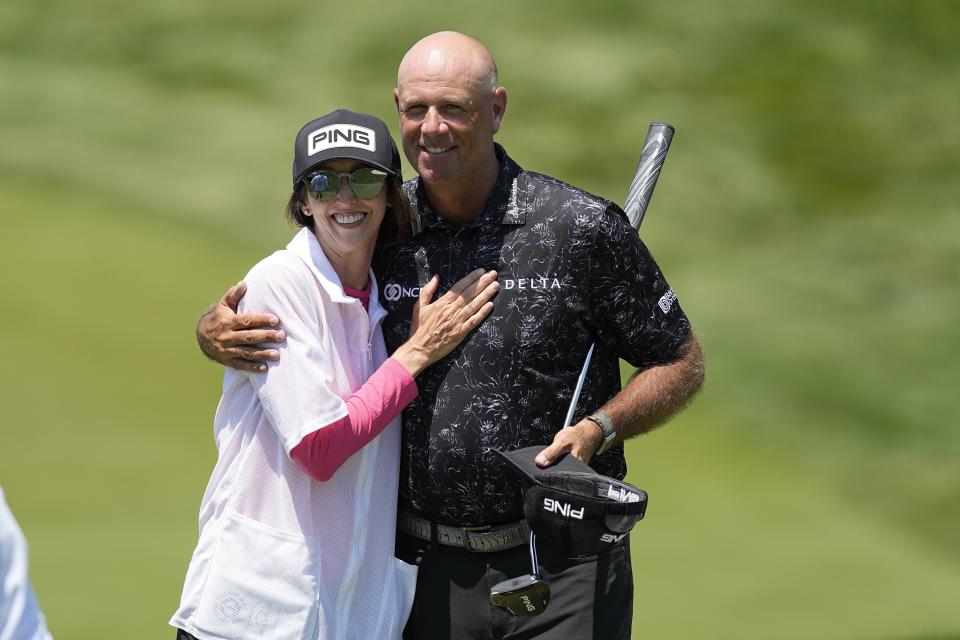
(504, 205)
(306, 246)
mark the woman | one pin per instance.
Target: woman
(297, 524)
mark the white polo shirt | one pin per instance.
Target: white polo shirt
(280, 556)
(20, 617)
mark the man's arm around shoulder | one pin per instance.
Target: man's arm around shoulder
(235, 339)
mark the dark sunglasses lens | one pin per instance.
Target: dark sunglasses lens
(525, 596)
(366, 183)
(323, 185)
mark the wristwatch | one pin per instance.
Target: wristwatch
(603, 421)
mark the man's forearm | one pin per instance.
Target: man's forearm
(655, 394)
(649, 399)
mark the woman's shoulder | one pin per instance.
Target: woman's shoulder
(282, 265)
(281, 276)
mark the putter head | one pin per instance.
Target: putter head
(524, 596)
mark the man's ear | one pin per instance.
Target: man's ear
(499, 107)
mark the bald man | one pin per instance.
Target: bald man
(572, 272)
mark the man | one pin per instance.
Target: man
(572, 272)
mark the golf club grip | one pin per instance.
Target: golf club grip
(655, 148)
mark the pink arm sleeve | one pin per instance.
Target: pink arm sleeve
(369, 410)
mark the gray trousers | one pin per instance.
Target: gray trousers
(589, 598)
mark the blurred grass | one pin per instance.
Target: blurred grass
(806, 216)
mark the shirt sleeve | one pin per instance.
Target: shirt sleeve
(370, 409)
(20, 615)
(635, 312)
(298, 392)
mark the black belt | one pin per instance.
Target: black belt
(485, 539)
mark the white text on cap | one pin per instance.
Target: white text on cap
(341, 135)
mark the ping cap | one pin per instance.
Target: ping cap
(345, 134)
(571, 506)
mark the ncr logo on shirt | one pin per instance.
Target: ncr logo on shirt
(393, 292)
(341, 135)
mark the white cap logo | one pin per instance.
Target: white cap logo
(341, 135)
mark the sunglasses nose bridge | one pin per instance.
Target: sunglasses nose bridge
(345, 192)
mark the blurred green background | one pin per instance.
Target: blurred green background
(807, 216)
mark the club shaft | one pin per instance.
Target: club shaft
(579, 388)
(655, 147)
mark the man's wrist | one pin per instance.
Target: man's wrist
(607, 430)
(593, 425)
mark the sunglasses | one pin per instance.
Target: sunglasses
(365, 183)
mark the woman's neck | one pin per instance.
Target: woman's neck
(353, 269)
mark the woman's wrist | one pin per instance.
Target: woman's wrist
(412, 359)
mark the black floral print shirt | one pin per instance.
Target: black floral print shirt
(572, 272)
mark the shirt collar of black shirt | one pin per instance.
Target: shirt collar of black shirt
(502, 204)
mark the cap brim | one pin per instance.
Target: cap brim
(347, 155)
(524, 462)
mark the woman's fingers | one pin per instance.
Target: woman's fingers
(428, 290)
(480, 299)
(473, 298)
(476, 318)
(464, 283)
(469, 287)
(480, 285)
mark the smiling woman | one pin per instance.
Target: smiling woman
(347, 193)
(297, 526)
(344, 203)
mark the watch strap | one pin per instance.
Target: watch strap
(603, 421)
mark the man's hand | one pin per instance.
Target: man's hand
(580, 440)
(651, 397)
(236, 340)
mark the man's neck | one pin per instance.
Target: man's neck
(460, 203)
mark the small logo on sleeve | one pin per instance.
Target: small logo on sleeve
(341, 135)
(667, 300)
